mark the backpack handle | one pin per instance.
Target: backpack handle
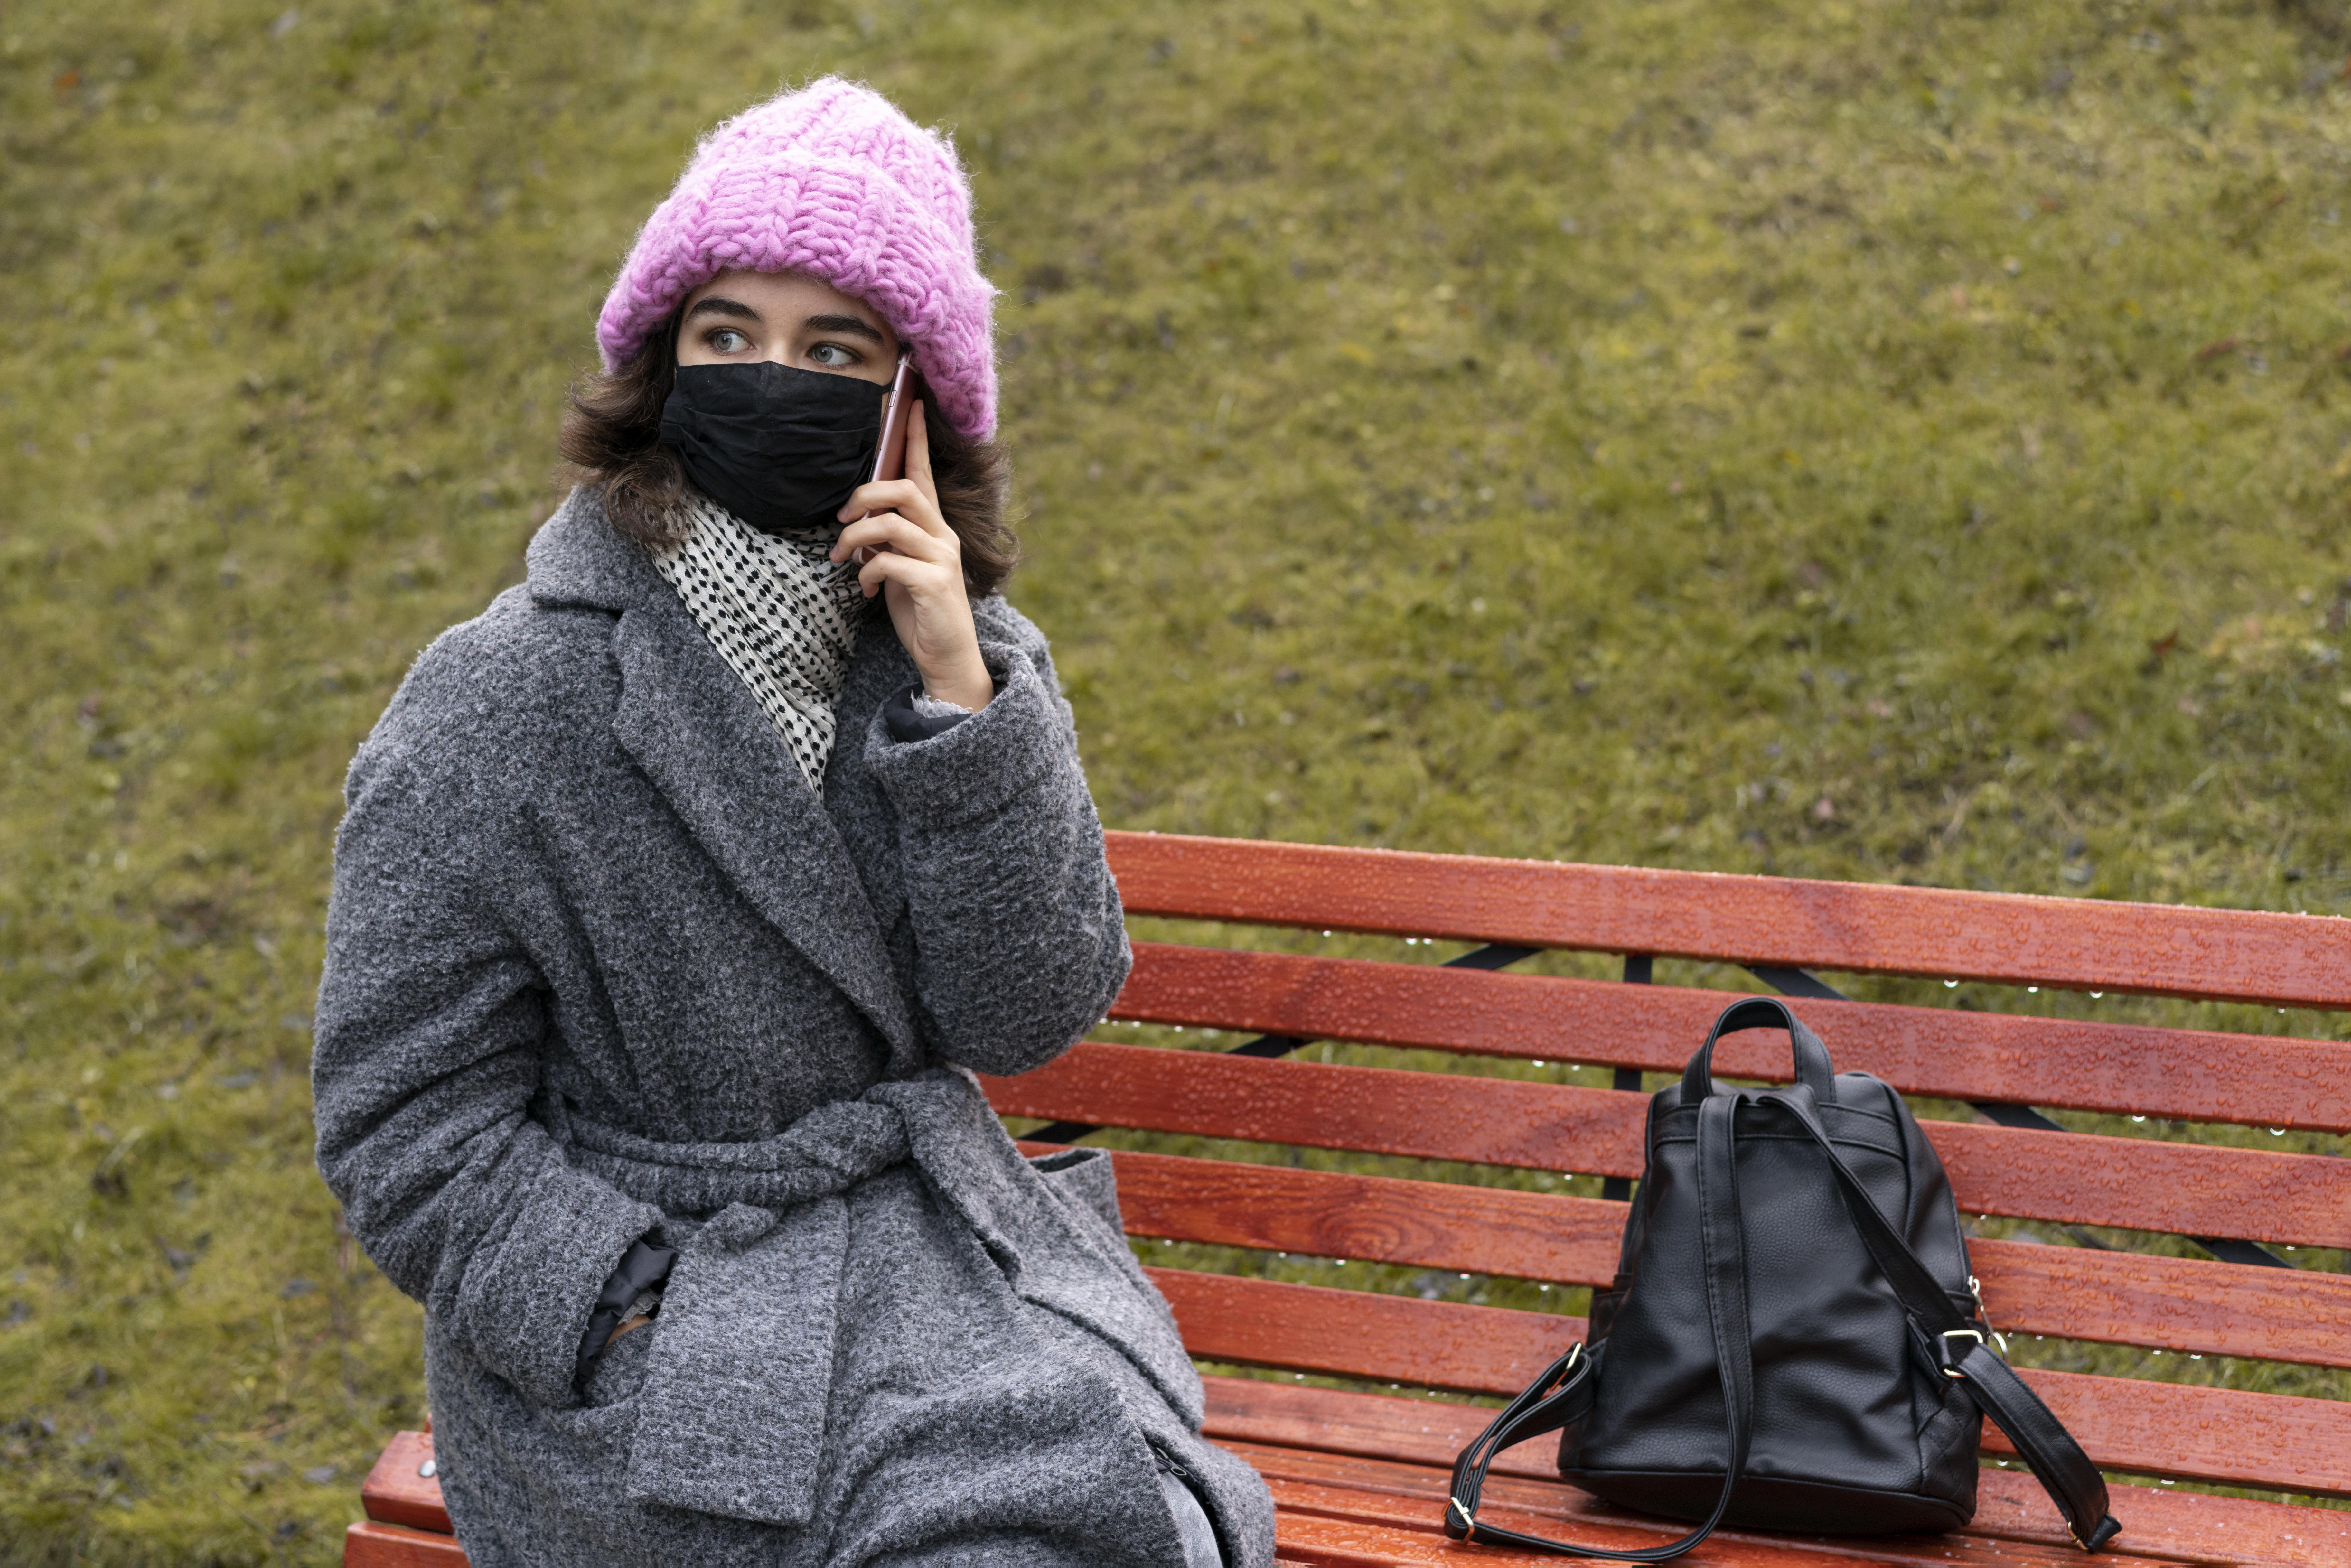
(1812, 1069)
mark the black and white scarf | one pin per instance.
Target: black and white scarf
(782, 616)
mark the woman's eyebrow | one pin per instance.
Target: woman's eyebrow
(848, 324)
(715, 306)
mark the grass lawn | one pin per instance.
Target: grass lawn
(1858, 439)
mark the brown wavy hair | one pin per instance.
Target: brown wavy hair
(611, 440)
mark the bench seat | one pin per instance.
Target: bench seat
(1360, 1479)
(1359, 1475)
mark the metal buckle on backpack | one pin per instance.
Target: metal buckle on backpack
(1976, 1292)
(1950, 1368)
(1469, 1519)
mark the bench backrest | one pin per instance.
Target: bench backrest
(2229, 1200)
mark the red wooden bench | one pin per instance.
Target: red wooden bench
(1359, 1476)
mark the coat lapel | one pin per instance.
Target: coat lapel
(701, 738)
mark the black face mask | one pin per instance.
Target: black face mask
(780, 448)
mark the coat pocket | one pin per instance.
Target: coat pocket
(615, 1376)
(1089, 1275)
(731, 1418)
(1085, 1177)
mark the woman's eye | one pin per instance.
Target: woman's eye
(831, 354)
(727, 340)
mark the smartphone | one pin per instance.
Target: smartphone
(890, 457)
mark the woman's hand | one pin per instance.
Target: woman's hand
(915, 559)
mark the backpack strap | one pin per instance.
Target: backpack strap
(1564, 1394)
(2056, 1461)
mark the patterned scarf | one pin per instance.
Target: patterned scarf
(782, 616)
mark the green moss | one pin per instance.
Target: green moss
(1855, 440)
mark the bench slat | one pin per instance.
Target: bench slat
(2282, 960)
(1346, 1544)
(2123, 1069)
(1416, 1494)
(1356, 1333)
(367, 1544)
(2138, 1182)
(1320, 1523)
(2220, 1434)
(1277, 1427)
(2145, 1184)
(2124, 1298)
(1369, 1426)
(2167, 1304)
(1376, 1109)
(2130, 1424)
(393, 1494)
(1385, 1219)
(1511, 1506)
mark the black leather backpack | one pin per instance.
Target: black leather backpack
(1793, 1340)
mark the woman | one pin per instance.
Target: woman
(676, 898)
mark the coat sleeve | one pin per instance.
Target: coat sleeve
(1020, 941)
(431, 1022)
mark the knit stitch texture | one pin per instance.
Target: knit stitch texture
(833, 181)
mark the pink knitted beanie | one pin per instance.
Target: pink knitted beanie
(834, 182)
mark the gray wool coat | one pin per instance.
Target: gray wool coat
(600, 964)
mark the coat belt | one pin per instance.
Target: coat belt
(731, 1418)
